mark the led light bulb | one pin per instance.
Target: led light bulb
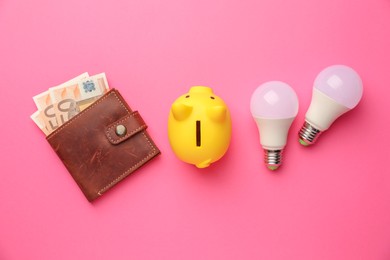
(337, 89)
(274, 105)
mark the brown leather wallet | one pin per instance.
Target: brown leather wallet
(103, 144)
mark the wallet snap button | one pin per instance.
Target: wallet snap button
(120, 130)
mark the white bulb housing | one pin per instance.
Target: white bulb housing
(274, 105)
(337, 89)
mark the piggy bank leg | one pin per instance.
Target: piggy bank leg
(204, 164)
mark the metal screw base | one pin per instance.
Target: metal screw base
(273, 158)
(308, 134)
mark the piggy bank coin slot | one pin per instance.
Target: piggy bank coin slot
(198, 137)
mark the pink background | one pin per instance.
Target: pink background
(330, 201)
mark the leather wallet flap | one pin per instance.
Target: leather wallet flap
(125, 128)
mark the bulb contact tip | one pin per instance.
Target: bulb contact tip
(308, 134)
(273, 167)
(273, 159)
(303, 142)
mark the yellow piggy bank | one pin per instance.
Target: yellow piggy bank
(199, 127)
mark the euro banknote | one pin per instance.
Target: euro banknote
(45, 105)
(60, 103)
(69, 99)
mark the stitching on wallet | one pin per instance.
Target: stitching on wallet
(83, 112)
(122, 103)
(128, 171)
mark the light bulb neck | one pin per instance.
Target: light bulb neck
(308, 134)
(273, 158)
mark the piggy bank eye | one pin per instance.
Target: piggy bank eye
(212, 97)
(187, 96)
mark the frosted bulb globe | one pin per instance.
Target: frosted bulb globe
(274, 105)
(337, 89)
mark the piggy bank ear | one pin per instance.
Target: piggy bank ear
(217, 113)
(181, 111)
